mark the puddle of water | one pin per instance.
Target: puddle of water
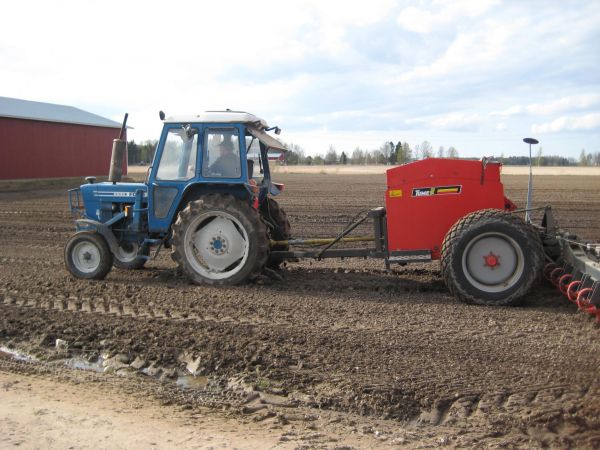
(82, 364)
(192, 382)
(72, 363)
(15, 354)
(184, 381)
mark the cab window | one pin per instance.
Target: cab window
(178, 159)
(221, 157)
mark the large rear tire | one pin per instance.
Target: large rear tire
(219, 240)
(279, 229)
(87, 256)
(491, 257)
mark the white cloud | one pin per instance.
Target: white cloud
(569, 123)
(565, 104)
(417, 20)
(451, 121)
(476, 51)
(501, 127)
(444, 12)
(510, 111)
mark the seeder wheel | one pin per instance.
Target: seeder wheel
(582, 298)
(548, 270)
(573, 290)
(555, 275)
(563, 282)
(491, 257)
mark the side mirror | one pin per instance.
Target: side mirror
(161, 114)
(189, 131)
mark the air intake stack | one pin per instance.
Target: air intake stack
(115, 173)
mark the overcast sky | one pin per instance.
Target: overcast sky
(478, 75)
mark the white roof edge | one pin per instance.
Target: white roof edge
(36, 119)
(218, 117)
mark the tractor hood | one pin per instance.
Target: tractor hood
(269, 141)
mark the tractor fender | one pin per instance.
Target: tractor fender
(100, 228)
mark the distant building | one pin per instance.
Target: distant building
(44, 140)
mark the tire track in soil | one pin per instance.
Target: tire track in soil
(441, 415)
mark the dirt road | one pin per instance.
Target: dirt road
(341, 347)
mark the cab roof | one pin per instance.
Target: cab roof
(256, 126)
(220, 117)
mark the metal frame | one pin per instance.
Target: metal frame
(580, 263)
(380, 250)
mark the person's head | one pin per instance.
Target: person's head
(225, 148)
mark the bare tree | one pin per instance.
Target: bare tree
(426, 150)
(452, 152)
(417, 152)
(331, 157)
(440, 152)
(406, 152)
(539, 157)
(358, 156)
(385, 150)
(583, 159)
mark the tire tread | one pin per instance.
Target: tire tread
(533, 254)
(257, 234)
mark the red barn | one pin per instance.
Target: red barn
(43, 140)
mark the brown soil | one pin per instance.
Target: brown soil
(341, 347)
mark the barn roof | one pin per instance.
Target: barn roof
(49, 112)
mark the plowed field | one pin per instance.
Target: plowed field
(341, 345)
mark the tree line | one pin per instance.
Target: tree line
(142, 153)
(388, 153)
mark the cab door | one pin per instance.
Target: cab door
(176, 163)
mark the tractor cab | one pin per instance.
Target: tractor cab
(220, 152)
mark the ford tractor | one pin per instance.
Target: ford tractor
(208, 196)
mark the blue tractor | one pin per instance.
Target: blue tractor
(207, 197)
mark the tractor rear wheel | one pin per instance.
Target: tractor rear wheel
(491, 257)
(87, 256)
(128, 256)
(279, 229)
(219, 240)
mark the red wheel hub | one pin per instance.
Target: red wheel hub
(491, 260)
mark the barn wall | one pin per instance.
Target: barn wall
(36, 149)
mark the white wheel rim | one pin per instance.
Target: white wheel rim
(127, 256)
(86, 257)
(216, 245)
(493, 262)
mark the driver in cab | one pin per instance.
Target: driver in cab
(227, 165)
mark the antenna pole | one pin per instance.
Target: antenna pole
(529, 141)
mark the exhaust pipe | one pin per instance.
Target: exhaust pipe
(115, 174)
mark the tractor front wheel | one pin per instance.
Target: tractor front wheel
(128, 256)
(219, 240)
(491, 257)
(87, 256)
